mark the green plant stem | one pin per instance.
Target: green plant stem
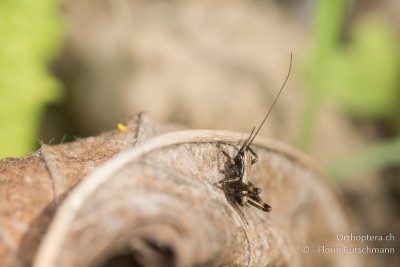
(328, 25)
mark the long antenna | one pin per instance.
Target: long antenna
(248, 139)
(273, 104)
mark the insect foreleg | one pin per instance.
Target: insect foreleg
(255, 159)
(231, 161)
(227, 155)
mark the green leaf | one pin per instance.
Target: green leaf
(363, 77)
(30, 36)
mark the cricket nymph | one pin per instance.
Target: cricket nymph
(237, 181)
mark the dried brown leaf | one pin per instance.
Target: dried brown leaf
(156, 204)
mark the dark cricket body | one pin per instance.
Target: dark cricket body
(237, 182)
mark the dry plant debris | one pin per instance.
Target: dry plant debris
(147, 197)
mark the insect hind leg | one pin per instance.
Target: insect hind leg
(241, 194)
(257, 202)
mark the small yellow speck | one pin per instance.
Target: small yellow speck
(122, 127)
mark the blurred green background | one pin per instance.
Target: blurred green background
(355, 68)
(361, 76)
